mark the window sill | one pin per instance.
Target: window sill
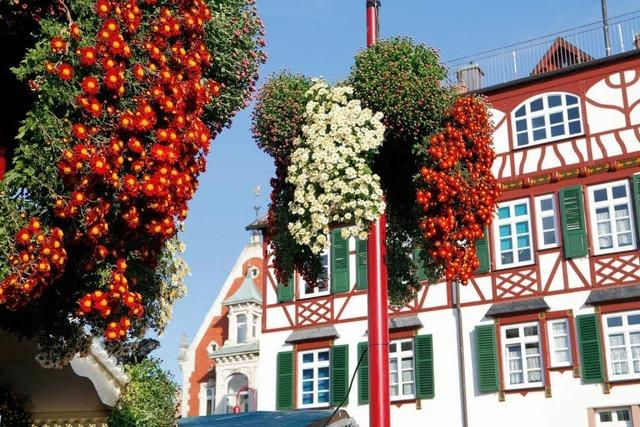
(524, 390)
(399, 402)
(624, 381)
(507, 268)
(561, 369)
(552, 141)
(634, 248)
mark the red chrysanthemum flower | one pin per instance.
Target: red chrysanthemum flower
(80, 131)
(65, 71)
(113, 78)
(88, 55)
(74, 29)
(58, 44)
(103, 7)
(90, 85)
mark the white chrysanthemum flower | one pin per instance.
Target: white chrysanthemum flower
(329, 169)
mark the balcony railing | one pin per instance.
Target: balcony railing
(548, 53)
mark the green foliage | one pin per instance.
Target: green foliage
(402, 80)
(149, 400)
(12, 409)
(278, 116)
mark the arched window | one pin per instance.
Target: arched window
(547, 117)
(241, 328)
(237, 383)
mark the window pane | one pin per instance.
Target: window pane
(600, 195)
(503, 213)
(574, 127)
(560, 328)
(523, 242)
(538, 122)
(557, 130)
(573, 113)
(307, 399)
(507, 258)
(407, 363)
(634, 319)
(323, 397)
(612, 322)
(524, 255)
(562, 356)
(623, 415)
(505, 230)
(323, 385)
(520, 111)
(605, 416)
(323, 372)
(539, 134)
(521, 125)
(548, 223)
(571, 100)
(407, 376)
(616, 340)
(307, 374)
(406, 346)
(392, 347)
(506, 244)
(530, 331)
(546, 204)
(536, 105)
(619, 191)
(522, 227)
(520, 209)
(554, 100)
(549, 237)
(323, 355)
(556, 118)
(512, 333)
(407, 389)
(523, 139)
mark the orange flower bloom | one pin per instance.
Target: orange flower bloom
(65, 71)
(58, 45)
(90, 85)
(88, 55)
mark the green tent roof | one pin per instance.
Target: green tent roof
(248, 292)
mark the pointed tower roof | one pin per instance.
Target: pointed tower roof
(247, 292)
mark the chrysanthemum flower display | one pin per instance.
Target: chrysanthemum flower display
(129, 95)
(430, 157)
(458, 192)
(329, 170)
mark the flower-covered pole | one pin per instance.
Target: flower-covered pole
(377, 295)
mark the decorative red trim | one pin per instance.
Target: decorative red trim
(314, 345)
(499, 351)
(398, 335)
(607, 308)
(544, 349)
(519, 318)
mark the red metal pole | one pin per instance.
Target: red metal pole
(377, 296)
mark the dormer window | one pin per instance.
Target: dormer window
(546, 118)
(241, 328)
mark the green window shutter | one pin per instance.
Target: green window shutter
(361, 264)
(420, 273)
(486, 358)
(363, 374)
(339, 263)
(482, 251)
(284, 381)
(635, 189)
(425, 385)
(574, 231)
(285, 293)
(590, 348)
(339, 374)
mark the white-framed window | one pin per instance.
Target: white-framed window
(241, 328)
(211, 400)
(622, 344)
(545, 118)
(402, 377)
(513, 234)
(522, 356)
(612, 217)
(309, 291)
(254, 325)
(614, 417)
(547, 219)
(313, 374)
(559, 342)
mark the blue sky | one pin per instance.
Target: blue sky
(320, 38)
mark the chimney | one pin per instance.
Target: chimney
(470, 76)
(636, 40)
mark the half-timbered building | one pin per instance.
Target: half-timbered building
(548, 330)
